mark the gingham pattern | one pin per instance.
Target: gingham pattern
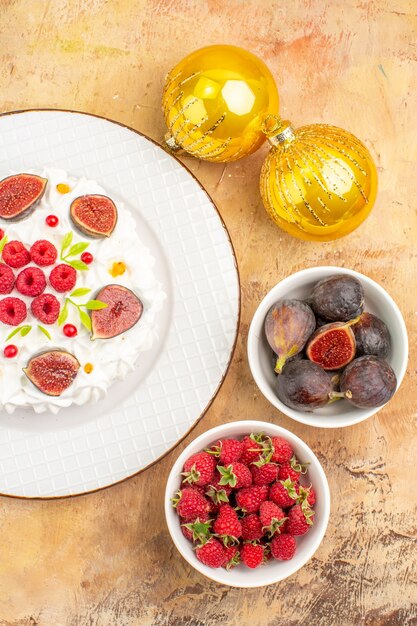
(71, 453)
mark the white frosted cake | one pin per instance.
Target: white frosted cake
(69, 349)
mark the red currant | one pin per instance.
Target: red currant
(87, 257)
(10, 351)
(52, 221)
(1, 233)
(70, 330)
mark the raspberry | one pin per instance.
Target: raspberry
(251, 527)
(46, 308)
(228, 450)
(190, 504)
(264, 474)
(12, 311)
(43, 253)
(251, 450)
(232, 557)
(216, 492)
(227, 525)
(250, 498)
(292, 470)
(198, 530)
(309, 493)
(299, 520)
(63, 277)
(211, 553)
(282, 451)
(15, 254)
(6, 279)
(199, 469)
(272, 517)
(236, 475)
(31, 281)
(283, 547)
(284, 493)
(252, 555)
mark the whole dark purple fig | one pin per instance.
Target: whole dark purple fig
(304, 386)
(288, 325)
(338, 298)
(372, 336)
(368, 382)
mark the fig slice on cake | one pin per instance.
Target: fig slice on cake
(124, 309)
(19, 195)
(52, 372)
(94, 215)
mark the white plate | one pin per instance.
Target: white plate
(86, 448)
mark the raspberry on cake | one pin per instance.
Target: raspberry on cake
(12, 311)
(63, 278)
(46, 308)
(6, 279)
(15, 254)
(43, 253)
(31, 281)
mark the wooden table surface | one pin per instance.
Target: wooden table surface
(107, 558)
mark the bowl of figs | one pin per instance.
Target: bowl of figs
(328, 347)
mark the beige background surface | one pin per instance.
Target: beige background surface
(107, 559)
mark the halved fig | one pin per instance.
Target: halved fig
(123, 311)
(52, 372)
(19, 195)
(332, 346)
(94, 215)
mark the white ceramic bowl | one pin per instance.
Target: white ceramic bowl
(299, 285)
(273, 571)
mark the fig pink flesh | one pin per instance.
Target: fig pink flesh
(52, 372)
(19, 193)
(123, 310)
(333, 348)
(94, 214)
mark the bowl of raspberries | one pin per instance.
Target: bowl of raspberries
(247, 503)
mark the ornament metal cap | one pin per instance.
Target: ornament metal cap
(277, 130)
(172, 145)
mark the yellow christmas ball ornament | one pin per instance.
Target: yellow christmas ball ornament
(215, 102)
(318, 182)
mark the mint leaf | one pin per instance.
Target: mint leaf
(94, 305)
(14, 332)
(66, 242)
(78, 265)
(64, 314)
(44, 331)
(82, 291)
(25, 330)
(77, 248)
(85, 319)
